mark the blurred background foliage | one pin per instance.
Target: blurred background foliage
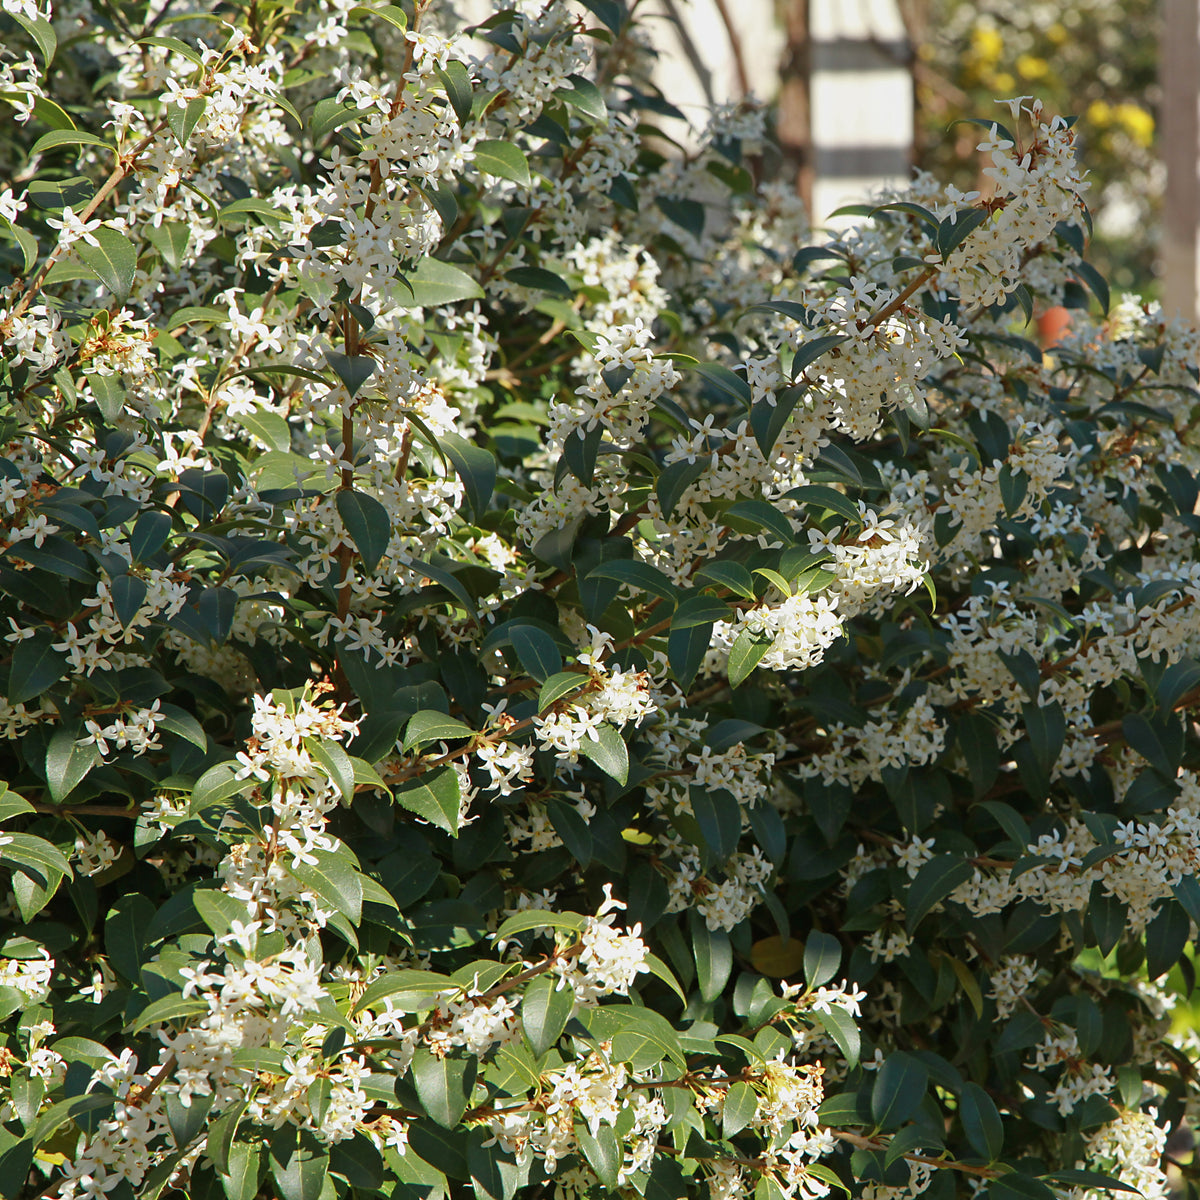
(1094, 59)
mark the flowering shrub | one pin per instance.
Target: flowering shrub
(526, 667)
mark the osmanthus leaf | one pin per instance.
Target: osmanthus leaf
(713, 953)
(1177, 681)
(719, 817)
(981, 1121)
(128, 595)
(353, 371)
(822, 957)
(536, 651)
(429, 725)
(698, 610)
(1090, 1179)
(572, 828)
(811, 349)
(541, 279)
(335, 880)
(218, 910)
(1095, 281)
(186, 1120)
(545, 1009)
(67, 762)
(558, 686)
(745, 654)
(406, 989)
(36, 667)
(57, 1115)
(585, 97)
(1159, 740)
(150, 533)
(435, 797)
(660, 970)
(299, 1163)
(827, 1175)
(818, 496)
(840, 1026)
(1107, 916)
(176, 46)
(639, 575)
(674, 481)
(67, 137)
(933, 883)
(476, 468)
(12, 805)
(359, 1162)
(602, 1151)
(729, 575)
(434, 282)
(905, 1141)
(444, 1084)
(768, 420)
(539, 919)
(957, 227)
(32, 854)
(1017, 1186)
(183, 119)
(113, 259)
(608, 751)
(898, 1090)
(40, 30)
(166, 1009)
(456, 79)
(503, 160)
(759, 517)
(738, 1110)
(218, 783)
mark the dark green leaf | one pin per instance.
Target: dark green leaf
(981, 1122)
(476, 468)
(745, 654)
(822, 957)
(299, 1163)
(435, 797)
(933, 883)
(113, 259)
(898, 1090)
(713, 952)
(443, 1085)
(608, 751)
(545, 1009)
(504, 160)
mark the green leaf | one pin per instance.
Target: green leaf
(536, 650)
(1166, 938)
(1091, 1179)
(435, 282)
(811, 349)
(352, 371)
(726, 383)
(758, 517)
(545, 1009)
(933, 883)
(406, 989)
(840, 1026)
(719, 817)
(330, 114)
(175, 46)
(41, 31)
(713, 952)
(745, 654)
(675, 480)
(981, 1122)
(457, 82)
(430, 725)
(558, 686)
(36, 667)
(1108, 917)
(602, 1151)
(299, 1163)
(738, 1110)
(113, 260)
(820, 496)
(334, 880)
(67, 762)
(1016, 1186)
(368, 524)
(541, 279)
(822, 957)
(443, 1085)
(1159, 740)
(220, 1135)
(175, 1007)
(245, 1167)
(183, 118)
(729, 575)
(608, 751)
(539, 919)
(898, 1090)
(150, 533)
(67, 137)
(699, 609)
(435, 797)
(585, 97)
(1095, 281)
(476, 468)
(504, 160)
(638, 575)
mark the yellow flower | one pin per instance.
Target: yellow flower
(1137, 122)
(1030, 67)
